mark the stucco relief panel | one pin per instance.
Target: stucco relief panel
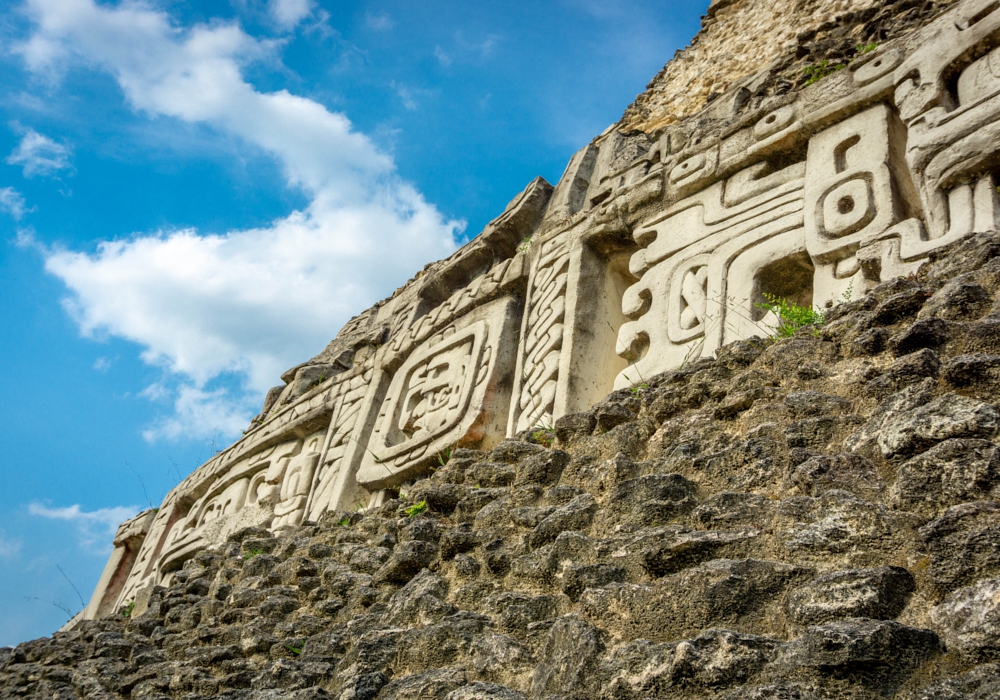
(453, 390)
(948, 94)
(541, 347)
(685, 303)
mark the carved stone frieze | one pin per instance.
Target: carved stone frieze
(452, 391)
(655, 248)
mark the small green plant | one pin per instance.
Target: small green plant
(252, 553)
(346, 522)
(636, 389)
(416, 509)
(294, 649)
(443, 457)
(127, 610)
(820, 71)
(544, 436)
(866, 48)
(525, 245)
(847, 295)
(791, 316)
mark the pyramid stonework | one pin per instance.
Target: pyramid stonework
(811, 182)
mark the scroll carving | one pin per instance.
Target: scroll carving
(654, 249)
(453, 390)
(542, 345)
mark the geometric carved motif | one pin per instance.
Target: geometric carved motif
(853, 187)
(681, 306)
(453, 390)
(223, 505)
(329, 481)
(543, 335)
(437, 389)
(293, 477)
(954, 125)
(947, 93)
(248, 485)
(694, 297)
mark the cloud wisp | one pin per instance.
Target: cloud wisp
(9, 547)
(288, 13)
(37, 154)
(192, 406)
(12, 202)
(382, 22)
(94, 529)
(256, 301)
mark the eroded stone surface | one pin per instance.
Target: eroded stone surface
(576, 458)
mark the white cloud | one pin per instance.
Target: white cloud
(249, 301)
(39, 155)
(156, 392)
(95, 529)
(320, 25)
(288, 13)
(102, 364)
(487, 46)
(406, 95)
(199, 413)
(12, 202)
(8, 547)
(463, 50)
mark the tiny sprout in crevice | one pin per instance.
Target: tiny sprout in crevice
(416, 509)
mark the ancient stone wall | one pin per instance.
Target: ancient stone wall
(814, 517)
(763, 46)
(655, 249)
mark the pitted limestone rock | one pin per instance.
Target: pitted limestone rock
(584, 455)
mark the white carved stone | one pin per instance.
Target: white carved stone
(952, 136)
(293, 479)
(698, 239)
(857, 188)
(333, 484)
(539, 359)
(653, 250)
(128, 541)
(453, 390)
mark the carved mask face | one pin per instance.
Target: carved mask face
(435, 391)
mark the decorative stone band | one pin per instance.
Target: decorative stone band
(452, 391)
(652, 250)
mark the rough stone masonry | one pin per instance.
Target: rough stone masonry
(574, 460)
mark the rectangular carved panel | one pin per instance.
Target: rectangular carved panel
(453, 390)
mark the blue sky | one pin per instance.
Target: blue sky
(195, 196)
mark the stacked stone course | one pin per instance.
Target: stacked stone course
(773, 38)
(576, 460)
(806, 517)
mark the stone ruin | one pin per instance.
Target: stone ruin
(653, 250)
(573, 461)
